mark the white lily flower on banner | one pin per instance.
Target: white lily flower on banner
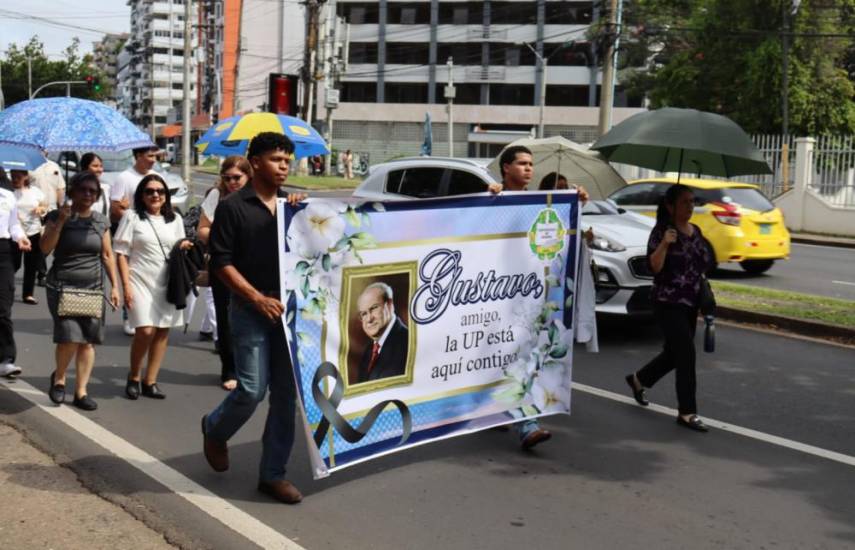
(315, 229)
(550, 391)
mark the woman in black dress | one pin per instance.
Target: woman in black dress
(79, 239)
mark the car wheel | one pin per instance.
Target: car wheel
(711, 250)
(756, 267)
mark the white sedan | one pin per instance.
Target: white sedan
(623, 280)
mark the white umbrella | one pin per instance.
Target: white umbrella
(575, 162)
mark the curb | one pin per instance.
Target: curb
(820, 241)
(844, 335)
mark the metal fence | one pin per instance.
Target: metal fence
(834, 169)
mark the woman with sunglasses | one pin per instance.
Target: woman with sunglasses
(235, 172)
(145, 236)
(79, 239)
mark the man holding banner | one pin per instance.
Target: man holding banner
(244, 254)
(517, 167)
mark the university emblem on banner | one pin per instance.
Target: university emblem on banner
(546, 235)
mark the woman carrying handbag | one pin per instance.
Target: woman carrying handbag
(679, 257)
(79, 239)
(147, 232)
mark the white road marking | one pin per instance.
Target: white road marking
(843, 283)
(724, 426)
(232, 517)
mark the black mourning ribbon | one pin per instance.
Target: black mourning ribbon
(329, 408)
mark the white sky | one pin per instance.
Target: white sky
(95, 16)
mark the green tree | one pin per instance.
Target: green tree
(72, 66)
(725, 56)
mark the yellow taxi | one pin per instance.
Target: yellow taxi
(738, 222)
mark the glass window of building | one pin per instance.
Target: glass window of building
(513, 13)
(415, 13)
(363, 52)
(406, 92)
(359, 13)
(463, 53)
(407, 53)
(461, 13)
(359, 92)
(511, 94)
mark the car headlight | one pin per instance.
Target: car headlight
(606, 244)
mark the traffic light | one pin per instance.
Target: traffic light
(282, 94)
(93, 83)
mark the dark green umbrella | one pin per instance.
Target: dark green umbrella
(683, 140)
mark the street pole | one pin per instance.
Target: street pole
(606, 89)
(449, 95)
(29, 77)
(543, 63)
(186, 121)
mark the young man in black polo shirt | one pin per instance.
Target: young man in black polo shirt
(244, 255)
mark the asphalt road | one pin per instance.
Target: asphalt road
(823, 270)
(614, 475)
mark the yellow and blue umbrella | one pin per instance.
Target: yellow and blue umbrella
(231, 136)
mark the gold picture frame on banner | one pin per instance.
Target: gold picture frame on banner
(361, 372)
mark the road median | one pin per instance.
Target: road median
(806, 314)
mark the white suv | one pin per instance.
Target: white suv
(623, 280)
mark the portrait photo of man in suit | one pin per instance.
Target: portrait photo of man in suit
(386, 352)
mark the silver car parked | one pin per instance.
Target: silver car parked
(623, 280)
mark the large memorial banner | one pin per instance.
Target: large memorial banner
(414, 321)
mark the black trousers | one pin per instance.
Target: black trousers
(8, 353)
(32, 261)
(222, 298)
(678, 323)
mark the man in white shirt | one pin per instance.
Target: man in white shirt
(10, 230)
(48, 178)
(122, 196)
(122, 192)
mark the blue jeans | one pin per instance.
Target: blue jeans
(261, 360)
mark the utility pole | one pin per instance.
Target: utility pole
(312, 23)
(29, 77)
(544, 62)
(335, 55)
(449, 95)
(607, 85)
(186, 117)
(2, 99)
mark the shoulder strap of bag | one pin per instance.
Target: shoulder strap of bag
(156, 236)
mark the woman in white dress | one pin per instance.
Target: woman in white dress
(143, 240)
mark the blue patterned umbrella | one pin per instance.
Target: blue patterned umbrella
(68, 123)
(16, 157)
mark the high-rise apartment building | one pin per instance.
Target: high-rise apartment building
(105, 53)
(150, 67)
(398, 54)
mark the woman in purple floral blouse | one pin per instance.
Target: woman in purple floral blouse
(679, 256)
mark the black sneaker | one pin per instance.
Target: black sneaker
(86, 403)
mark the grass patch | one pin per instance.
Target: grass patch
(808, 307)
(322, 182)
(313, 183)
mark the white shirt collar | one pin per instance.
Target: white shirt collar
(387, 331)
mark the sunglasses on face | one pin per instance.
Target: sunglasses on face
(229, 179)
(151, 191)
